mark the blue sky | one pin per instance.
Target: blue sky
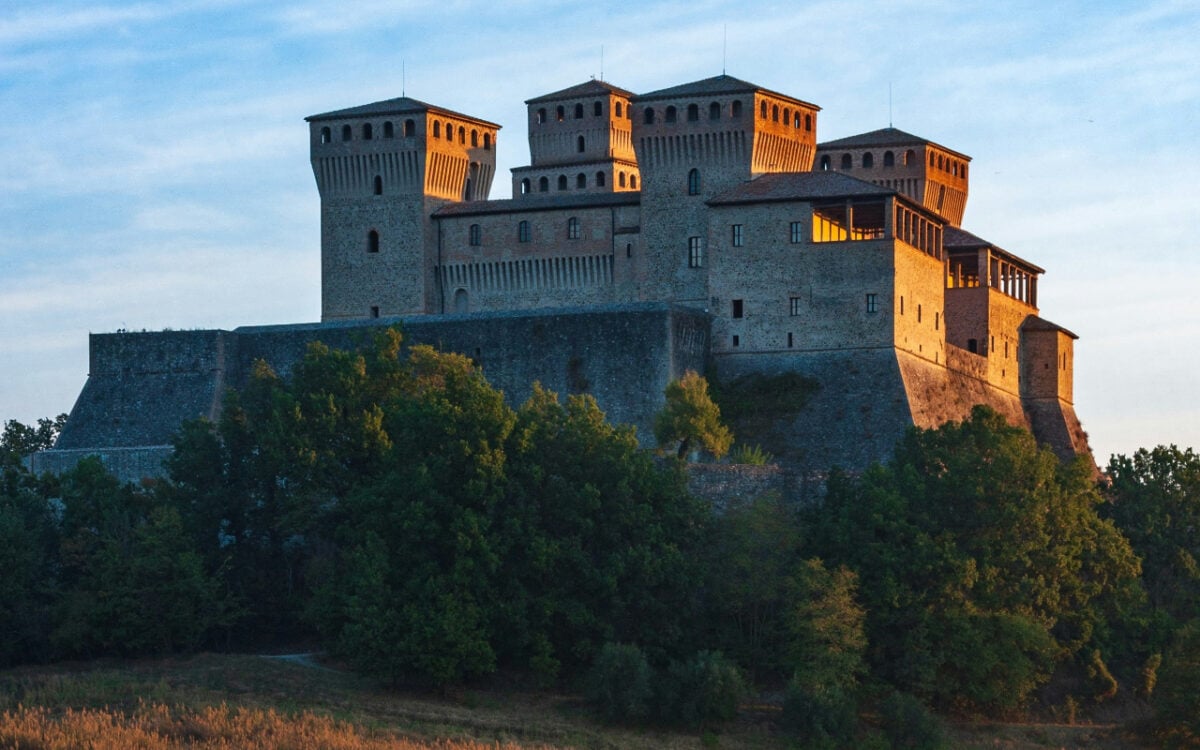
(154, 167)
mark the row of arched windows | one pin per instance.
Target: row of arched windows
(560, 112)
(796, 119)
(581, 182)
(908, 158)
(367, 133)
(692, 112)
(475, 233)
(947, 164)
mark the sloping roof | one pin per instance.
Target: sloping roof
(587, 88)
(1034, 323)
(960, 240)
(539, 202)
(885, 137)
(716, 86)
(800, 186)
(399, 106)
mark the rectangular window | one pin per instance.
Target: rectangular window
(737, 308)
(695, 253)
(796, 230)
(476, 234)
(872, 303)
(789, 340)
(793, 306)
(572, 228)
(736, 341)
(374, 311)
(523, 232)
(736, 238)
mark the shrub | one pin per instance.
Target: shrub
(750, 455)
(1176, 699)
(704, 690)
(909, 724)
(619, 683)
(820, 716)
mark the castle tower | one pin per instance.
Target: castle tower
(580, 140)
(381, 170)
(693, 142)
(930, 174)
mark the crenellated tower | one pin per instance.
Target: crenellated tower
(381, 170)
(693, 142)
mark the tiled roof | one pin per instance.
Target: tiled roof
(716, 86)
(399, 106)
(587, 88)
(800, 186)
(549, 202)
(960, 240)
(884, 137)
(1034, 323)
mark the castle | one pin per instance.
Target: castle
(694, 227)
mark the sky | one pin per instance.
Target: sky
(154, 158)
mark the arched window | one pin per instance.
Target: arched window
(544, 185)
(954, 171)
(368, 132)
(825, 165)
(346, 133)
(932, 159)
(796, 121)
(462, 135)
(633, 182)
(461, 302)
(787, 116)
(572, 228)
(525, 186)
(621, 179)
(868, 160)
(378, 185)
(523, 231)
(693, 183)
(410, 128)
(389, 130)
(693, 113)
(775, 113)
(474, 235)
(562, 182)
(599, 179)
(597, 109)
(649, 115)
(560, 113)
(714, 111)
(487, 141)
(372, 241)
(578, 111)
(736, 109)
(580, 181)
(620, 110)
(474, 138)
(541, 115)
(437, 129)
(963, 172)
(910, 157)
(846, 161)
(941, 162)
(326, 135)
(762, 110)
(808, 122)
(579, 145)
(671, 114)
(449, 132)
(889, 159)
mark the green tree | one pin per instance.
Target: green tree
(691, 419)
(29, 561)
(19, 440)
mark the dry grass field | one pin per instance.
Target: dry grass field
(251, 702)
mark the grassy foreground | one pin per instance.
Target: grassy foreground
(221, 701)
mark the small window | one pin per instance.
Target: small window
(581, 181)
(578, 111)
(597, 109)
(474, 139)
(562, 182)
(695, 253)
(599, 179)
(714, 111)
(648, 115)
(693, 113)
(560, 113)
(544, 185)
(541, 116)
(762, 110)
(621, 179)
(378, 185)
(347, 133)
(796, 121)
(633, 181)
(775, 113)
(372, 241)
(580, 146)
(437, 129)
(462, 135)
(919, 320)
(868, 160)
(872, 303)
(889, 159)
(487, 141)
(787, 116)
(693, 182)
(525, 186)
(937, 321)
(796, 232)
(735, 110)
(374, 311)
(326, 135)
(736, 341)
(368, 132)
(523, 232)
(737, 237)
(847, 162)
(620, 110)
(738, 308)
(629, 250)
(973, 346)
(389, 130)
(572, 228)
(789, 339)
(826, 164)
(910, 157)
(672, 115)
(808, 123)
(793, 306)
(474, 235)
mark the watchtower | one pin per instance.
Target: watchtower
(932, 175)
(381, 170)
(693, 142)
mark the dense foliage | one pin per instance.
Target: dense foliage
(391, 505)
